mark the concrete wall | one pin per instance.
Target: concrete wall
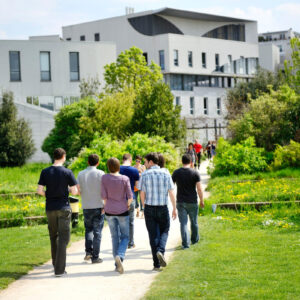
(269, 57)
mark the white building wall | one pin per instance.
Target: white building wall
(269, 57)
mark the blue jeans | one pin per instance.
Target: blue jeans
(119, 230)
(186, 210)
(158, 224)
(131, 223)
(93, 223)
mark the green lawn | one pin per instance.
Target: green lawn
(282, 185)
(20, 179)
(22, 248)
(239, 256)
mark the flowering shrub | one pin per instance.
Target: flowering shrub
(238, 159)
(287, 156)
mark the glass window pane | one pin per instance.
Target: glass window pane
(45, 61)
(74, 66)
(14, 65)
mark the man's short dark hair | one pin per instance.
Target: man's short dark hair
(127, 156)
(186, 159)
(152, 156)
(113, 165)
(161, 160)
(139, 157)
(58, 153)
(93, 159)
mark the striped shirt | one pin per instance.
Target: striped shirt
(156, 183)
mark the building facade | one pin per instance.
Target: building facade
(200, 55)
(44, 74)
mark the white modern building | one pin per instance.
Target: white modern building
(44, 74)
(200, 55)
(279, 39)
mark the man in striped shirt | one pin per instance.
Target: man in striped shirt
(155, 185)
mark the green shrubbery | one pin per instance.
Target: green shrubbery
(287, 156)
(239, 158)
(138, 143)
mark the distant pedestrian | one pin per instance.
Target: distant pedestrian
(133, 175)
(191, 151)
(198, 148)
(213, 149)
(117, 196)
(58, 180)
(89, 186)
(141, 168)
(208, 149)
(188, 185)
(155, 185)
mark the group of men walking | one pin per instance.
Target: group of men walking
(113, 196)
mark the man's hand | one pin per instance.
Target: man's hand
(202, 204)
(174, 214)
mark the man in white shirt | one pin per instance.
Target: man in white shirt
(89, 186)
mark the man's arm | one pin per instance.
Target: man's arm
(173, 201)
(200, 193)
(40, 190)
(143, 197)
(78, 189)
(73, 190)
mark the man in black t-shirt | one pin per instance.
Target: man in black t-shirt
(58, 180)
(188, 185)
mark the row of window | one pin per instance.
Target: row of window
(82, 37)
(240, 66)
(45, 66)
(205, 105)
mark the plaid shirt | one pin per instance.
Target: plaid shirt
(156, 183)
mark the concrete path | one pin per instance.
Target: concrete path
(98, 281)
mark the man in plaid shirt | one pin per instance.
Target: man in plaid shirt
(155, 185)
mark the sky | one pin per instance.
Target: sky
(22, 18)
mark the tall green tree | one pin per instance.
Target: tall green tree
(131, 71)
(155, 114)
(16, 143)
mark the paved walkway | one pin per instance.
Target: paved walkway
(97, 281)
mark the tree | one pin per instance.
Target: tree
(238, 98)
(155, 114)
(65, 133)
(112, 115)
(131, 71)
(16, 143)
(89, 87)
(292, 68)
(271, 119)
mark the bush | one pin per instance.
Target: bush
(16, 143)
(242, 158)
(138, 143)
(287, 156)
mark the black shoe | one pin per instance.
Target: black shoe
(131, 246)
(97, 261)
(61, 275)
(157, 269)
(161, 259)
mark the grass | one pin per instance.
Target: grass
(239, 256)
(283, 185)
(20, 179)
(23, 248)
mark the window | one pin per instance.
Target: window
(177, 101)
(74, 66)
(280, 48)
(282, 36)
(145, 54)
(176, 60)
(229, 82)
(217, 61)
(203, 60)
(162, 59)
(228, 32)
(190, 58)
(97, 37)
(218, 106)
(192, 105)
(45, 66)
(205, 105)
(68, 39)
(82, 37)
(14, 66)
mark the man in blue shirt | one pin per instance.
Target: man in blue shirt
(133, 175)
(58, 180)
(155, 185)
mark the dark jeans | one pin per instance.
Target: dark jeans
(198, 159)
(131, 223)
(59, 232)
(158, 224)
(93, 223)
(137, 204)
(186, 210)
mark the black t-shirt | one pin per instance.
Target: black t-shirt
(57, 179)
(186, 179)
